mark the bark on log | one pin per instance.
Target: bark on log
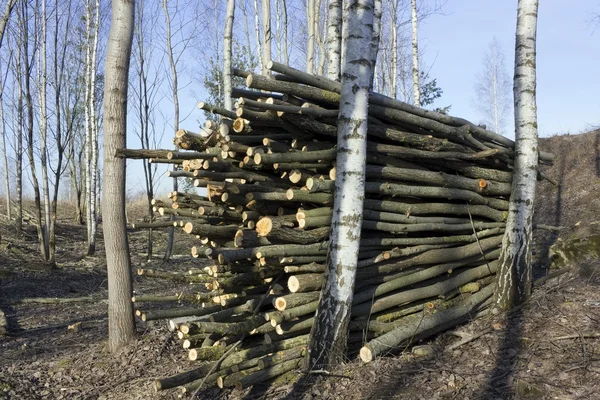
(429, 322)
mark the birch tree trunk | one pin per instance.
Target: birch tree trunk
(334, 40)
(121, 326)
(227, 53)
(310, 25)
(394, 49)
(18, 70)
(415, 55)
(267, 35)
(257, 30)
(320, 36)
(375, 38)
(60, 54)
(286, 53)
(514, 275)
(4, 149)
(43, 126)
(10, 5)
(175, 93)
(91, 125)
(330, 330)
(27, 77)
(95, 132)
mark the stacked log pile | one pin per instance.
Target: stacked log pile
(436, 201)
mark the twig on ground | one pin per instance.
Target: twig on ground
(468, 339)
(593, 335)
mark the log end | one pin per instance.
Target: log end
(264, 226)
(280, 303)
(366, 354)
(293, 284)
(188, 228)
(193, 355)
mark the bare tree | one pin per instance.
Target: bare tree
(257, 37)
(145, 87)
(92, 19)
(227, 54)
(393, 7)
(10, 5)
(492, 89)
(330, 331)
(29, 56)
(415, 55)
(175, 94)
(121, 325)
(514, 274)
(310, 25)
(334, 39)
(267, 35)
(3, 80)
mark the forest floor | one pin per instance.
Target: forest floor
(547, 349)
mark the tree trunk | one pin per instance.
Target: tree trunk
(42, 58)
(415, 55)
(376, 33)
(175, 91)
(266, 22)
(94, 173)
(121, 326)
(19, 152)
(310, 24)
(334, 39)
(227, 53)
(5, 152)
(394, 49)
(330, 331)
(257, 30)
(5, 18)
(27, 76)
(514, 276)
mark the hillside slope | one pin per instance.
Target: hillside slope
(575, 202)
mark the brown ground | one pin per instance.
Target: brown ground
(542, 351)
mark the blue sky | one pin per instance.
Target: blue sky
(454, 44)
(568, 57)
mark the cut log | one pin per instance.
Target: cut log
(428, 322)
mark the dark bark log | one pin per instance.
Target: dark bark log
(429, 322)
(435, 208)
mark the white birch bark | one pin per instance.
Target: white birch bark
(121, 326)
(286, 52)
(257, 31)
(227, 53)
(5, 157)
(93, 166)
(415, 55)
(329, 334)
(334, 40)
(88, 122)
(310, 25)
(320, 37)
(514, 275)
(376, 34)
(43, 107)
(267, 35)
(394, 49)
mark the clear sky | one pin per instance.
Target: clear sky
(568, 57)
